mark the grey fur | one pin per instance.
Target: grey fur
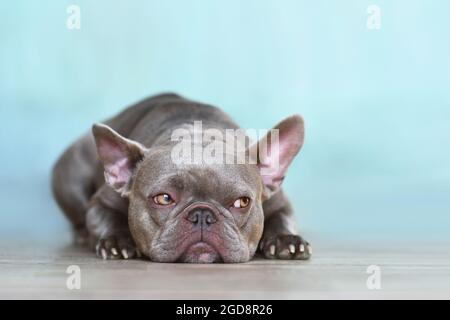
(120, 221)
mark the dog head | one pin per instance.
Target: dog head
(197, 211)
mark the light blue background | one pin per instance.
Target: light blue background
(376, 163)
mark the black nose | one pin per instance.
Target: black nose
(202, 217)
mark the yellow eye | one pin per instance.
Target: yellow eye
(241, 202)
(163, 199)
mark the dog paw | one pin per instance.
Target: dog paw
(285, 247)
(116, 247)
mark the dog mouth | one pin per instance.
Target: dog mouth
(200, 252)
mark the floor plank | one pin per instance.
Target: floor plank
(40, 273)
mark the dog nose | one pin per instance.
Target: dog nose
(202, 217)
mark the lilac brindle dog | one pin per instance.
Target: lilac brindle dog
(123, 193)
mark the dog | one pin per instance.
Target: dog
(126, 196)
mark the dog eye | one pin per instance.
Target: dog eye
(163, 199)
(242, 202)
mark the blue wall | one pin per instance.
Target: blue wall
(376, 164)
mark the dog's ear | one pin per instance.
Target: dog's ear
(119, 156)
(276, 151)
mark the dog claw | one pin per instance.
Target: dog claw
(302, 248)
(310, 250)
(125, 253)
(114, 251)
(291, 248)
(272, 250)
(104, 255)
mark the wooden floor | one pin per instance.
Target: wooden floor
(331, 274)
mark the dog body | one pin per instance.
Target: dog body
(123, 192)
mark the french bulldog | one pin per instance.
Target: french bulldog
(126, 196)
